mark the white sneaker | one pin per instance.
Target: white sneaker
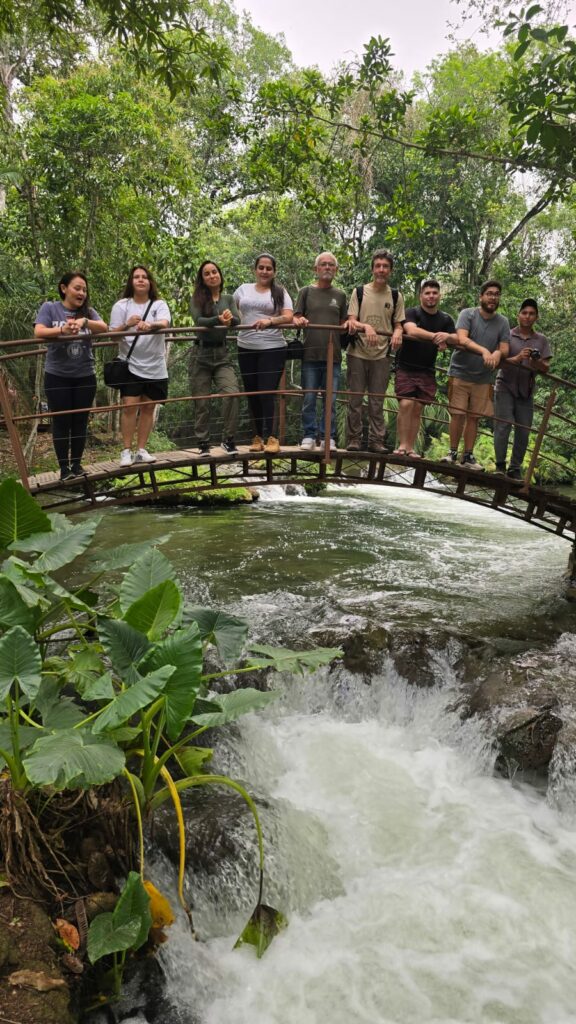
(143, 456)
(307, 443)
(333, 446)
(126, 457)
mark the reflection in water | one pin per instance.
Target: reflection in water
(419, 888)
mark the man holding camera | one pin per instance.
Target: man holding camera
(515, 383)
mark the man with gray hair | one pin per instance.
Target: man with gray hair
(320, 303)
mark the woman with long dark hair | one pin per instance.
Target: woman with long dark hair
(147, 372)
(265, 306)
(69, 379)
(210, 362)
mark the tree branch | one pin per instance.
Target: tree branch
(489, 258)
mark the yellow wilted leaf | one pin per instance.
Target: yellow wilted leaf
(161, 911)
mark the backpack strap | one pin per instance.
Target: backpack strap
(394, 303)
(359, 296)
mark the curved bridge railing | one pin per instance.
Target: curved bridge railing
(184, 468)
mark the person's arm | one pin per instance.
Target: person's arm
(205, 321)
(281, 319)
(234, 322)
(398, 323)
(491, 359)
(300, 319)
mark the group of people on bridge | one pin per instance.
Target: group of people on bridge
(492, 369)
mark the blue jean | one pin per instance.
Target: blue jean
(314, 377)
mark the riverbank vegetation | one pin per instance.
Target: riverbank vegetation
(105, 692)
(127, 142)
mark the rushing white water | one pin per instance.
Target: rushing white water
(420, 889)
(456, 894)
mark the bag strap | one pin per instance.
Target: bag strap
(298, 334)
(135, 339)
(359, 296)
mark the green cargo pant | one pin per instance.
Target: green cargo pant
(211, 369)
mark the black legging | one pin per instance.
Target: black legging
(261, 371)
(69, 432)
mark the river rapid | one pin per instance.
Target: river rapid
(420, 887)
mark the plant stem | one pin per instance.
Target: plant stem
(136, 802)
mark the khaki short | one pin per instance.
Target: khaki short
(466, 398)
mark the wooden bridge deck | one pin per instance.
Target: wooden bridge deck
(107, 483)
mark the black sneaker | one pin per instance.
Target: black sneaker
(229, 446)
(452, 457)
(515, 474)
(469, 461)
(66, 474)
(500, 468)
(77, 469)
(205, 448)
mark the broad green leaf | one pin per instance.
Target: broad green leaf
(47, 586)
(183, 650)
(134, 903)
(227, 632)
(59, 547)
(19, 660)
(124, 646)
(85, 666)
(20, 514)
(235, 704)
(124, 554)
(99, 689)
(262, 927)
(57, 710)
(73, 759)
(104, 937)
(153, 613)
(14, 611)
(27, 735)
(151, 569)
(16, 571)
(191, 759)
(133, 699)
(283, 660)
(125, 734)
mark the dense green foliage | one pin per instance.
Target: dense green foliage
(107, 681)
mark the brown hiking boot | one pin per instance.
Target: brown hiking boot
(353, 446)
(257, 444)
(272, 444)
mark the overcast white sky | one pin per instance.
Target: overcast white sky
(324, 33)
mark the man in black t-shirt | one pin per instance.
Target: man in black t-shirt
(427, 330)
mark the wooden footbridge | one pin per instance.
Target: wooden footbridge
(177, 473)
(107, 483)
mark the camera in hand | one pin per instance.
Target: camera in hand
(534, 353)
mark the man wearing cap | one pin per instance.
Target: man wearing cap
(514, 391)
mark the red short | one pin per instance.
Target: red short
(415, 384)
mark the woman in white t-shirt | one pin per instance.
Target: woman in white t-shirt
(147, 382)
(264, 306)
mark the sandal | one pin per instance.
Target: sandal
(413, 455)
(400, 451)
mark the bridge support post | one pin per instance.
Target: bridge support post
(13, 434)
(539, 438)
(328, 396)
